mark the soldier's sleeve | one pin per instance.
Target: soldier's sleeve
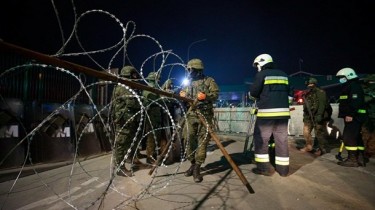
(322, 101)
(213, 93)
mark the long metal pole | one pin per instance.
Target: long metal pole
(106, 76)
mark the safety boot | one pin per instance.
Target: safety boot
(362, 158)
(351, 161)
(197, 173)
(268, 172)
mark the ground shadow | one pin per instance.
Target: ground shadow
(223, 164)
(213, 147)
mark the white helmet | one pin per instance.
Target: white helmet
(262, 60)
(349, 73)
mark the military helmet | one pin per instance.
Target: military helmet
(127, 71)
(262, 60)
(153, 76)
(195, 63)
(312, 80)
(349, 73)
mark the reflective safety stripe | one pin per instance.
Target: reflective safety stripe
(275, 112)
(276, 80)
(344, 97)
(262, 158)
(351, 148)
(272, 145)
(362, 111)
(283, 161)
(362, 148)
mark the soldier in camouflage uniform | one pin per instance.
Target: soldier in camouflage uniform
(315, 100)
(368, 128)
(204, 91)
(125, 106)
(154, 122)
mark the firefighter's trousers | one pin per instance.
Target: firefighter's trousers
(263, 130)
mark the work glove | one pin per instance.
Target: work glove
(182, 93)
(201, 96)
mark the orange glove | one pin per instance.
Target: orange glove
(182, 93)
(201, 96)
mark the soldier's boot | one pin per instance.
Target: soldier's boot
(151, 158)
(351, 161)
(319, 152)
(197, 173)
(307, 148)
(189, 172)
(138, 164)
(123, 171)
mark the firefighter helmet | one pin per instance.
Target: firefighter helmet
(262, 60)
(348, 73)
(195, 63)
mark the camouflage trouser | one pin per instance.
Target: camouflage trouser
(153, 138)
(153, 125)
(123, 139)
(321, 134)
(196, 138)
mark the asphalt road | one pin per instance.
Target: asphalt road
(314, 183)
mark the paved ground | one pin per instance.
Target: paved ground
(314, 183)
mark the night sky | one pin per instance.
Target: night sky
(320, 37)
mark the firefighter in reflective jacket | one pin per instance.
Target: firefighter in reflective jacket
(351, 109)
(271, 88)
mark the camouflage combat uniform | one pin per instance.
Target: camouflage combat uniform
(125, 107)
(195, 133)
(154, 122)
(315, 99)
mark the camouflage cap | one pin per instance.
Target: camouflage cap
(195, 63)
(152, 76)
(312, 80)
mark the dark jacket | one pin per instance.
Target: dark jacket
(352, 102)
(271, 89)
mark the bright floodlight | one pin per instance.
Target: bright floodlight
(185, 82)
